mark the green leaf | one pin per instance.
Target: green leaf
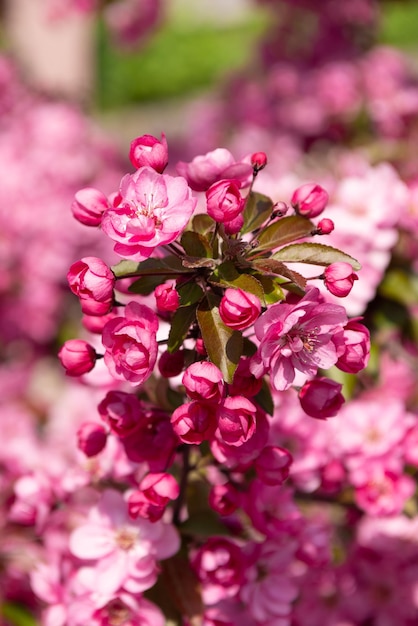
(145, 285)
(203, 224)
(315, 254)
(182, 319)
(223, 345)
(190, 293)
(258, 208)
(272, 291)
(271, 266)
(166, 266)
(285, 230)
(195, 244)
(227, 276)
(265, 399)
(16, 615)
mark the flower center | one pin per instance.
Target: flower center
(126, 538)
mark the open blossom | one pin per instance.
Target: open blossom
(303, 337)
(153, 209)
(204, 170)
(123, 551)
(92, 281)
(131, 344)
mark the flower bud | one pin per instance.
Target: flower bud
(148, 150)
(325, 226)
(91, 438)
(77, 357)
(166, 297)
(92, 281)
(171, 363)
(356, 350)
(239, 309)
(236, 420)
(88, 206)
(194, 422)
(155, 492)
(339, 279)
(203, 381)
(321, 398)
(258, 161)
(273, 465)
(224, 201)
(309, 200)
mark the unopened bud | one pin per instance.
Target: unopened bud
(325, 227)
(258, 161)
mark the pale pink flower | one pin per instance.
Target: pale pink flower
(148, 150)
(239, 309)
(204, 170)
(131, 344)
(153, 210)
(92, 281)
(381, 488)
(300, 337)
(125, 551)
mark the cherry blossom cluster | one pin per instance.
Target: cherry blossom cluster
(204, 325)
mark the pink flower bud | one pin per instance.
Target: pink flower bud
(166, 297)
(239, 309)
(309, 200)
(194, 422)
(89, 205)
(339, 279)
(325, 226)
(224, 201)
(203, 381)
(91, 438)
(77, 357)
(200, 347)
(204, 170)
(171, 364)
(92, 281)
(236, 420)
(258, 160)
(224, 499)
(121, 411)
(95, 323)
(244, 383)
(234, 226)
(273, 465)
(356, 350)
(155, 492)
(321, 398)
(148, 150)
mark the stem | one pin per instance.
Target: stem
(183, 485)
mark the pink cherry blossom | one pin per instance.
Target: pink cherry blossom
(124, 550)
(153, 210)
(131, 344)
(224, 202)
(321, 397)
(154, 493)
(239, 309)
(148, 150)
(300, 337)
(77, 357)
(339, 279)
(93, 282)
(236, 420)
(204, 170)
(166, 297)
(204, 381)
